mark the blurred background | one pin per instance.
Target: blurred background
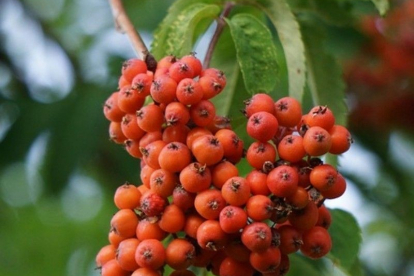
(60, 60)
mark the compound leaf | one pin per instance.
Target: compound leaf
(175, 34)
(290, 37)
(256, 52)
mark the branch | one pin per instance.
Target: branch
(123, 24)
(219, 29)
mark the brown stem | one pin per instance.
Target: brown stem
(123, 24)
(219, 29)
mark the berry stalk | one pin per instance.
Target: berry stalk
(124, 25)
(219, 29)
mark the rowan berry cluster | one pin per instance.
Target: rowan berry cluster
(193, 209)
(380, 77)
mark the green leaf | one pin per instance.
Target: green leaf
(382, 6)
(356, 269)
(300, 266)
(324, 76)
(175, 34)
(230, 101)
(346, 240)
(290, 37)
(336, 12)
(256, 52)
(224, 57)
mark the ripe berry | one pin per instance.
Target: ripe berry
(111, 110)
(122, 82)
(288, 111)
(209, 203)
(210, 86)
(145, 271)
(172, 219)
(163, 89)
(299, 199)
(133, 67)
(132, 147)
(142, 84)
(150, 253)
(150, 118)
(174, 157)
(148, 228)
(237, 250)
(262, 126)
(321, 116)
(194, 134)
(207, 150)
(203, 257)
(180, 254)
(232, 219)
(192, 222)
(341, 139)
(219, 123)
(337, 189)
(259, 207)
(182, 198)
(291, 148)
(194, 63)
(195, 177)
(180, 70)
(104, 255)
(231, 267)
(216, 261)
(189, 92)
(259, 102)
(112, 268)
(127, 196)
(324, 217)
(266, 261)
(223, 171)
(175, 133)
(258, 185)
(306, 218)
(210, 236)
(115, 133)
(316, 242)
(282, 181)
(129, 100)
(176, 113)
(149, 138)
(124, 223)
(166, 62)
(215, 73)
(163, 182)
(125, 254)
(304, 170)
(290, 239)
(323, 177)
(260, 152)
(152, 204)
(203, 113)
(115, 239)
(130, 128)
(317, 141)
(232, 144)
(151, 152)
(257, 236)
(283, 268)
(236, 191)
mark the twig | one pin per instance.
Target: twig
(123, 24)
(219, 29)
